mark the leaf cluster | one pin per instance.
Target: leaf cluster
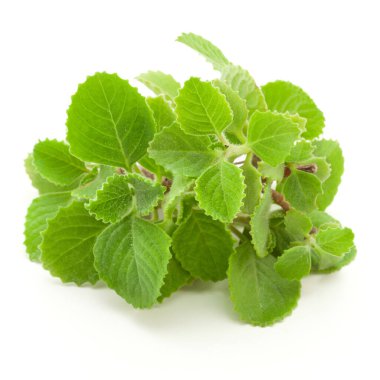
(207, 180)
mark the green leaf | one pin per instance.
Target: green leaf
(205, 48)
(41, 184)
(336, 241)
(259, 294)
(181, 153)
(202, 109)
(162, 112)
(260, 230)
(295, 263)
(176, 278)
(301, 151)
(147, 193)
(253, 187)
(203, 246)
(54, 162)
(160, 83)
(89, 186)
(330, 263)
(271, 136)
(40, 211)
(274, 172)
(109, 122)
(331, 151)
(241, 81)
(320, 219)
(301, 189)
(323, 168)
(220, 191)
(238, 107)
(132, 258)
(284, 96)
(113, 201)
(67, 244)
(297, 224)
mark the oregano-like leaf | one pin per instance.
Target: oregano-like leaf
(295, 263)
(162, 112)
(160, 83)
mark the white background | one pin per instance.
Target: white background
(54, 331)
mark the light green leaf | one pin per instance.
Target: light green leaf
(284, 96)
(162, 112)
(323, 168)
(205, 48)
(241, 81)
(253, 187)
(336, 241)
(181, 153)
(39, 212)
(259, 294)
(297, 224)
(320, 219)
(109, 122)
(54, 162)
(147, 193)
(301, 151)
(160, 83)
(238, 107)
(274, 172)
(176, 278)
(220, 191)
(41, 184)
(203, 246)
(132, 257)
(328, 263)
(260, 230)
(295, 263)
(331, 151)
(151, 165)
(299, 120)
(67, 244)
(202, 109)
(271, 136)
(88, 188)
(113, 201)
(301, 189)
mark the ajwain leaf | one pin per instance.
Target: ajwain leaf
(295, 263)
(253, 187)
(162, 112)
(297, 224)
(160, 83)
(336, 241)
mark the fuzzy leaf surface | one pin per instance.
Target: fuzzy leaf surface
(160, 83)
(295, 263)
(336, 241)
(163, 114)
(297, 224)
(253, 187)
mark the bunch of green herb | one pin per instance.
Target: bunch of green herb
(209, 180)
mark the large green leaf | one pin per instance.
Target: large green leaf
(301, 151)
(271, 136)
(220, 191)
(202, 109)
(259, 294)
(181, 153)
(160, 83)
(67, 244)
(109, 122)
(297, 224)
(54, 162)
(331, 151)
(295, 263)
(203, 246)
(162, 112)
(284, 96)
(42, 209)
(132, 258)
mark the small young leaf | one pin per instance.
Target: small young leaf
(297, 224)
(203, 246)
(40, 211)
(284, 96)
(147, 193)
(275, 173)
(320, 219)
(333, 154)
(68, 242)
(259, 294)
(181, 153)
(54, 162)
(205, 48)
(109, 122)
(176, 278)
(330, 263)
(301, 151)
(162, 112)
(271, 136)
(113, 201)
(132, 257)
(260, 230)
(160, 83)
(295, 263)
(220, 191)
(253, 187)
(241, 81)
(202, 109)
(336, 241)
(301, 189)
